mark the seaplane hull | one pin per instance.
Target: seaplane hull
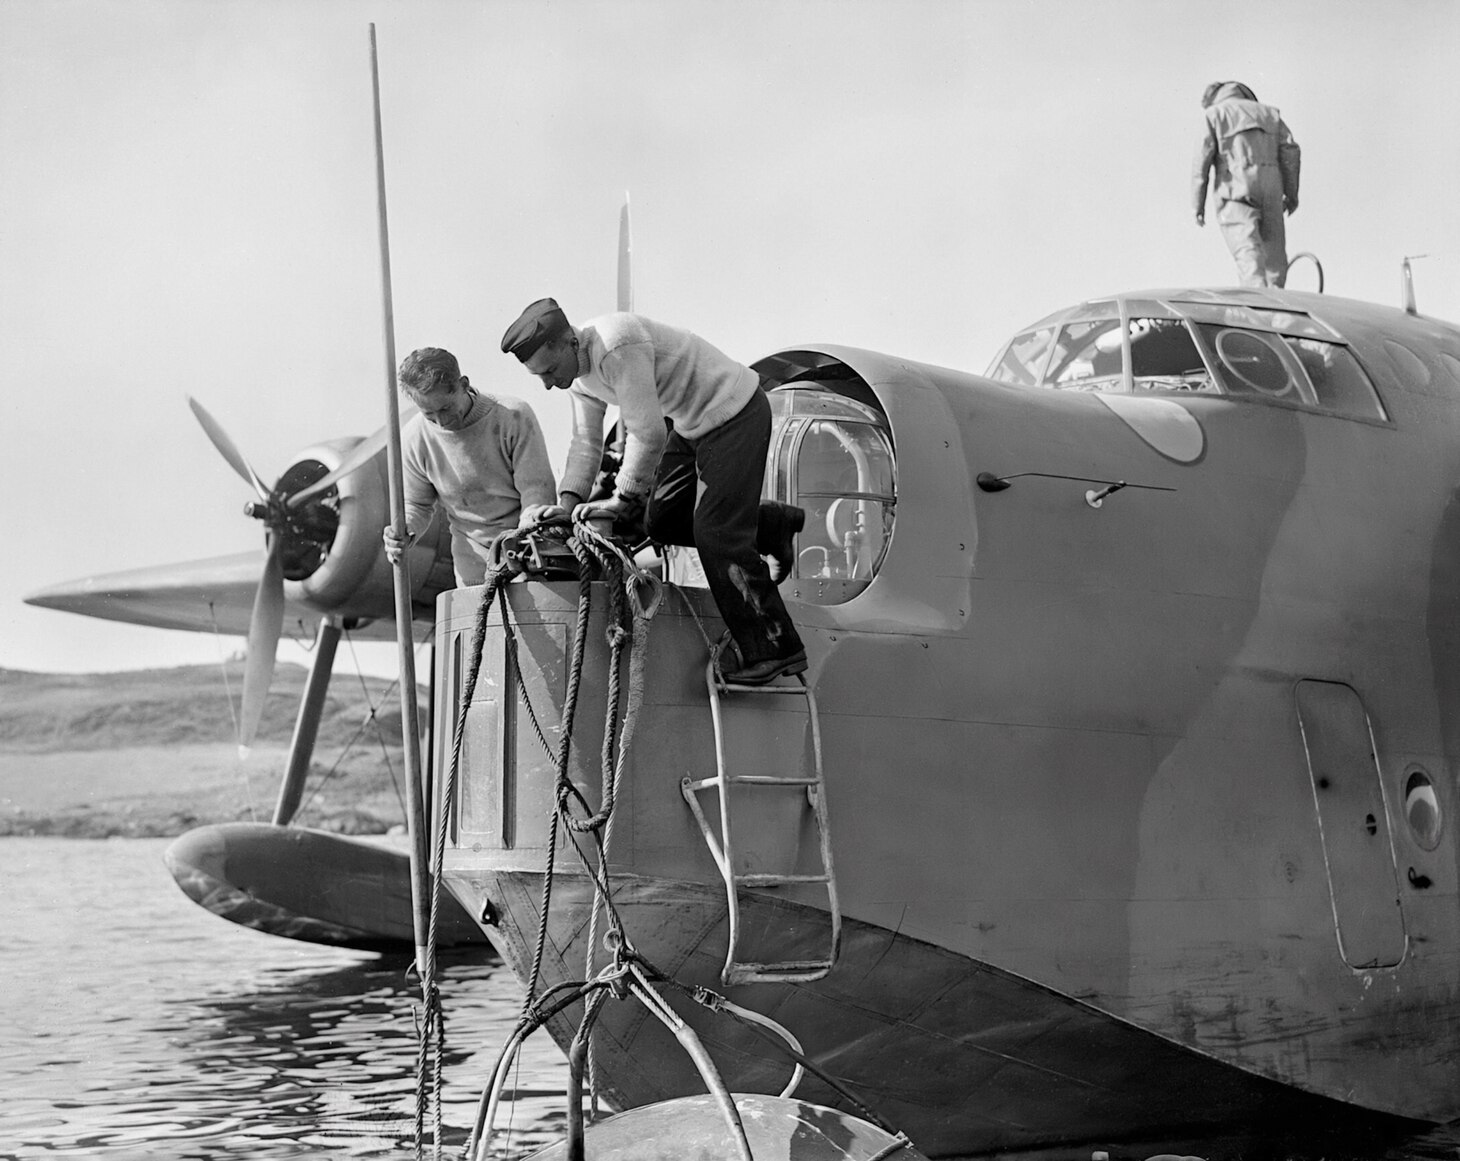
(967, 1058)
(1134, 726)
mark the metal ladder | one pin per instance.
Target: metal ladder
(723, 849)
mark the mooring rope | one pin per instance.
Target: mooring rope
(628, 617)
(642, 616)
(431, 1031)
(570, 705)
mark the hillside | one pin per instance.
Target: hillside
(152, 752)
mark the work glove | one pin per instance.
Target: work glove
(536, 515)
(619, 506)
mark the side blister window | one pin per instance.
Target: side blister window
(833, 457)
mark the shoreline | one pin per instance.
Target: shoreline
(158, 822)
(164, 791)
(149, 755)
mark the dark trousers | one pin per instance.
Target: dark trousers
(729, 526)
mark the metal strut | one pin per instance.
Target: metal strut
(722, 849)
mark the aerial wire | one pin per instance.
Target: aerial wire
(232, 711)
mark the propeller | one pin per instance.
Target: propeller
(297, 536)
(361, 454)
(288, 527)
(267, 621)
(264, 627)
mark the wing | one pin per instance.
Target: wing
(205, 596)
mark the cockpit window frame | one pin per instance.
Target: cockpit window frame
(1200, 318)
(1250, 318)
(1308, 398)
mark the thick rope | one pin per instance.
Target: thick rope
(432, 1029)
(570, 705)
(638, 659)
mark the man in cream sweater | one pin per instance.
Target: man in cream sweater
(480, 457)
(721, 431)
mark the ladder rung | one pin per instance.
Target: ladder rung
(788, 968)
(773, 880)
(800, 690)
(771, 780)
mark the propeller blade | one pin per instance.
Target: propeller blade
(263, 642)
(226, 446)
(360, 455)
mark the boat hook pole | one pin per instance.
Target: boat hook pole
(415, 806)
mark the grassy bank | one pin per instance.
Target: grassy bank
(152, 753)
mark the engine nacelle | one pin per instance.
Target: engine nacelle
(334, 560)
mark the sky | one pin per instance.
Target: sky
(188, 207)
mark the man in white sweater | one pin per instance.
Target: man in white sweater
(721, 430)
(481, 457)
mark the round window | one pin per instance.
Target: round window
(1254, 361)
(1422, 809)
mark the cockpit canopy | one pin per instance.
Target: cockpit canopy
(1176, 346)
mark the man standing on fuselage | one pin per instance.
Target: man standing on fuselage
(721, 431)
(481, 457)
(1257, 168)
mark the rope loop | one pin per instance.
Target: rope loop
(633, 582)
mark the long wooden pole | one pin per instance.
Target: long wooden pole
(415, 808)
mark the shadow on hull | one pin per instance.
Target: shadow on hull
(958, 1054)
(311, 885)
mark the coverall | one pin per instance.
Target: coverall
(1257, 163)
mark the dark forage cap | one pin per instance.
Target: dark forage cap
(541, 321)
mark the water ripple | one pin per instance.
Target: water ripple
(136, 1024)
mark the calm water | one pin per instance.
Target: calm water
(135, 1024)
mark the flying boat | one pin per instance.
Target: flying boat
(1117, 804)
